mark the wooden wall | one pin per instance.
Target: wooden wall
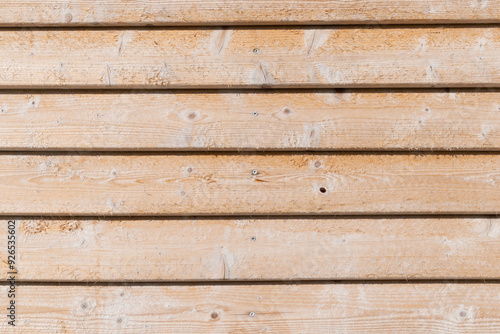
(235, 166)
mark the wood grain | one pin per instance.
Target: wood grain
(254, 120)
(251, 58)
(198, 45)
(234, 12)
(249, 184)
(315, 308)
(84, 250)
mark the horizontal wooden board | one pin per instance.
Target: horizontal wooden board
(315, 308)
(240, 120)
(251, 58)
(218, 12)
(88, 184)
(82, 250)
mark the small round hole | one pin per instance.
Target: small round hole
(256, 50)
(322, 190)
(255, 172)
(255, 114)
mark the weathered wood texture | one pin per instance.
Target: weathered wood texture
(234, 12)
(249, 184)
(316, 308)
(304, 240)
(255, 249)
(350, 120)
(246, 58)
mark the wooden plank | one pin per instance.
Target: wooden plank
(234, 12)
(183, 184)
(251, 58)
(240, 120)
(307, 308)
(84, 250)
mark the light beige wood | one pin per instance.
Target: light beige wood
(218, 12)
(350, 120)
(251, 58)
(76, 250)
(315, 308)
(249, 184)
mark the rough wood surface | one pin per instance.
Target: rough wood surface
(240, 120)
(249, 184)
(315, 308)
(233, 12)
(238, 240)
(82, 250)
(251, 58)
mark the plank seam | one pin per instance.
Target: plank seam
(263, 283)
(495, 24)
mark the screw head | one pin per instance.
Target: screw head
(252, 314)
(255, 172)
(255, 114)
(256, 50)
